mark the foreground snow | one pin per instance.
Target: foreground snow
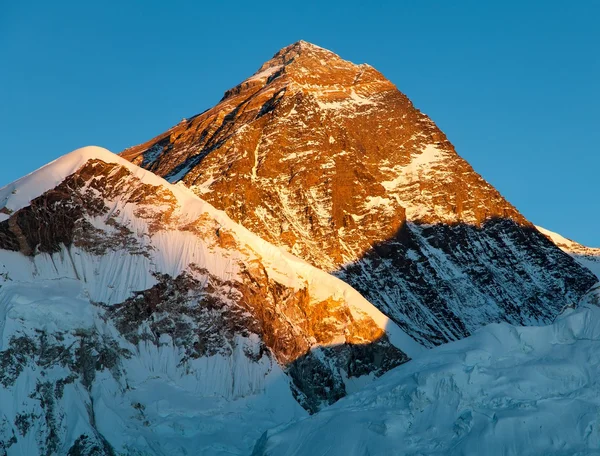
(505, 390)
(164, 408)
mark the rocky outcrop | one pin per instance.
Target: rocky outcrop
(329, 160)
(60, 216)
(317, 343)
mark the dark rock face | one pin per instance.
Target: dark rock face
(57, 218)
(317, 375)
(90, 446)
(469, 276)
(331, 161)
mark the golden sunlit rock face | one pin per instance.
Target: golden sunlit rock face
(329, 160)
(322, 156)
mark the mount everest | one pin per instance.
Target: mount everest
(269, 277)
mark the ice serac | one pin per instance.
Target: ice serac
(135, 318)
(329, 160)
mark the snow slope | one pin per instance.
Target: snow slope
(148, 403)
(506, 390)
(588, 257)
(81, 373)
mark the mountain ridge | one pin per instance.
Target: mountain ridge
(588, 257)
(123, 296)
(315, 235)
(330, 161)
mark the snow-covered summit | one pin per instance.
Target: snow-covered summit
(114, 282)
(21, 192)
(311, 53)
(18, 194)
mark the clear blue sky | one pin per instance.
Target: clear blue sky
(514, 84)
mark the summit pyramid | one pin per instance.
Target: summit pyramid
(331, 161)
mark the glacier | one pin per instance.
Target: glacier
(506, 390)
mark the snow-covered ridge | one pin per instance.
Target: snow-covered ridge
(283, 267)
(588, 257)
(159, 323)
(562, 241)
(19, 194)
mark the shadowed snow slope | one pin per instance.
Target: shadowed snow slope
(137, 319)
(588, 257)
(506, 390)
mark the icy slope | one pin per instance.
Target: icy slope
(71, 384)
(588, 257)
(506, 390)
(137, 319)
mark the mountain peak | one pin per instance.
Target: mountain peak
(309, 65)
(331, 161)
(289, 53)
(302, 45)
